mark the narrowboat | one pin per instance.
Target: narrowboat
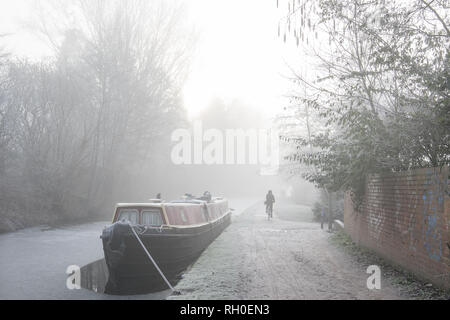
(174, 233)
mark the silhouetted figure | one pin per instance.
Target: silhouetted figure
(158, 196)
(206, 196)
(270, 199)
(322, 218)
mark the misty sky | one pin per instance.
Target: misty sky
(238, 56)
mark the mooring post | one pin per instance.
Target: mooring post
(330, 212)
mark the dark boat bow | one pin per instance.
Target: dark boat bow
(173, 245)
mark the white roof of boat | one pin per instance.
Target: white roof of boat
(156, 204)
(159, 204)
(148, 204)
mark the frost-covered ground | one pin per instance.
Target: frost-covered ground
(239, 205)
(289, 257)
(33, 261)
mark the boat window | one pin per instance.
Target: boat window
(183, 216)
(152, 217)
(130, 215)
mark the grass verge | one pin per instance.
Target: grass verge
(408, 284)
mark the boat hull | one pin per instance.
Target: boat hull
(173, 249)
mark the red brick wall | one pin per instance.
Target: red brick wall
(405, 217)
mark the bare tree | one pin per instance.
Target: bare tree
(88, 125)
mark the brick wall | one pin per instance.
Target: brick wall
(405, 217)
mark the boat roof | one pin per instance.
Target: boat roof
(160, 204)
(148, 204)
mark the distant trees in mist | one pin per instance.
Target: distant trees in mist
(89, 124)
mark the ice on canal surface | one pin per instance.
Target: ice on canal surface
(33, 261)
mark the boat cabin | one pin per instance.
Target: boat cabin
(176, 213)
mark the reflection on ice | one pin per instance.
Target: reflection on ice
(94, 276)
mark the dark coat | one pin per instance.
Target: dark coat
(270, 199)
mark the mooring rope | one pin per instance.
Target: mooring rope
(152, 260)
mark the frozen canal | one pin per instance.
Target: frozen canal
(33, 261)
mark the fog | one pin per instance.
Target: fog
(93, 91)
(340, 108)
